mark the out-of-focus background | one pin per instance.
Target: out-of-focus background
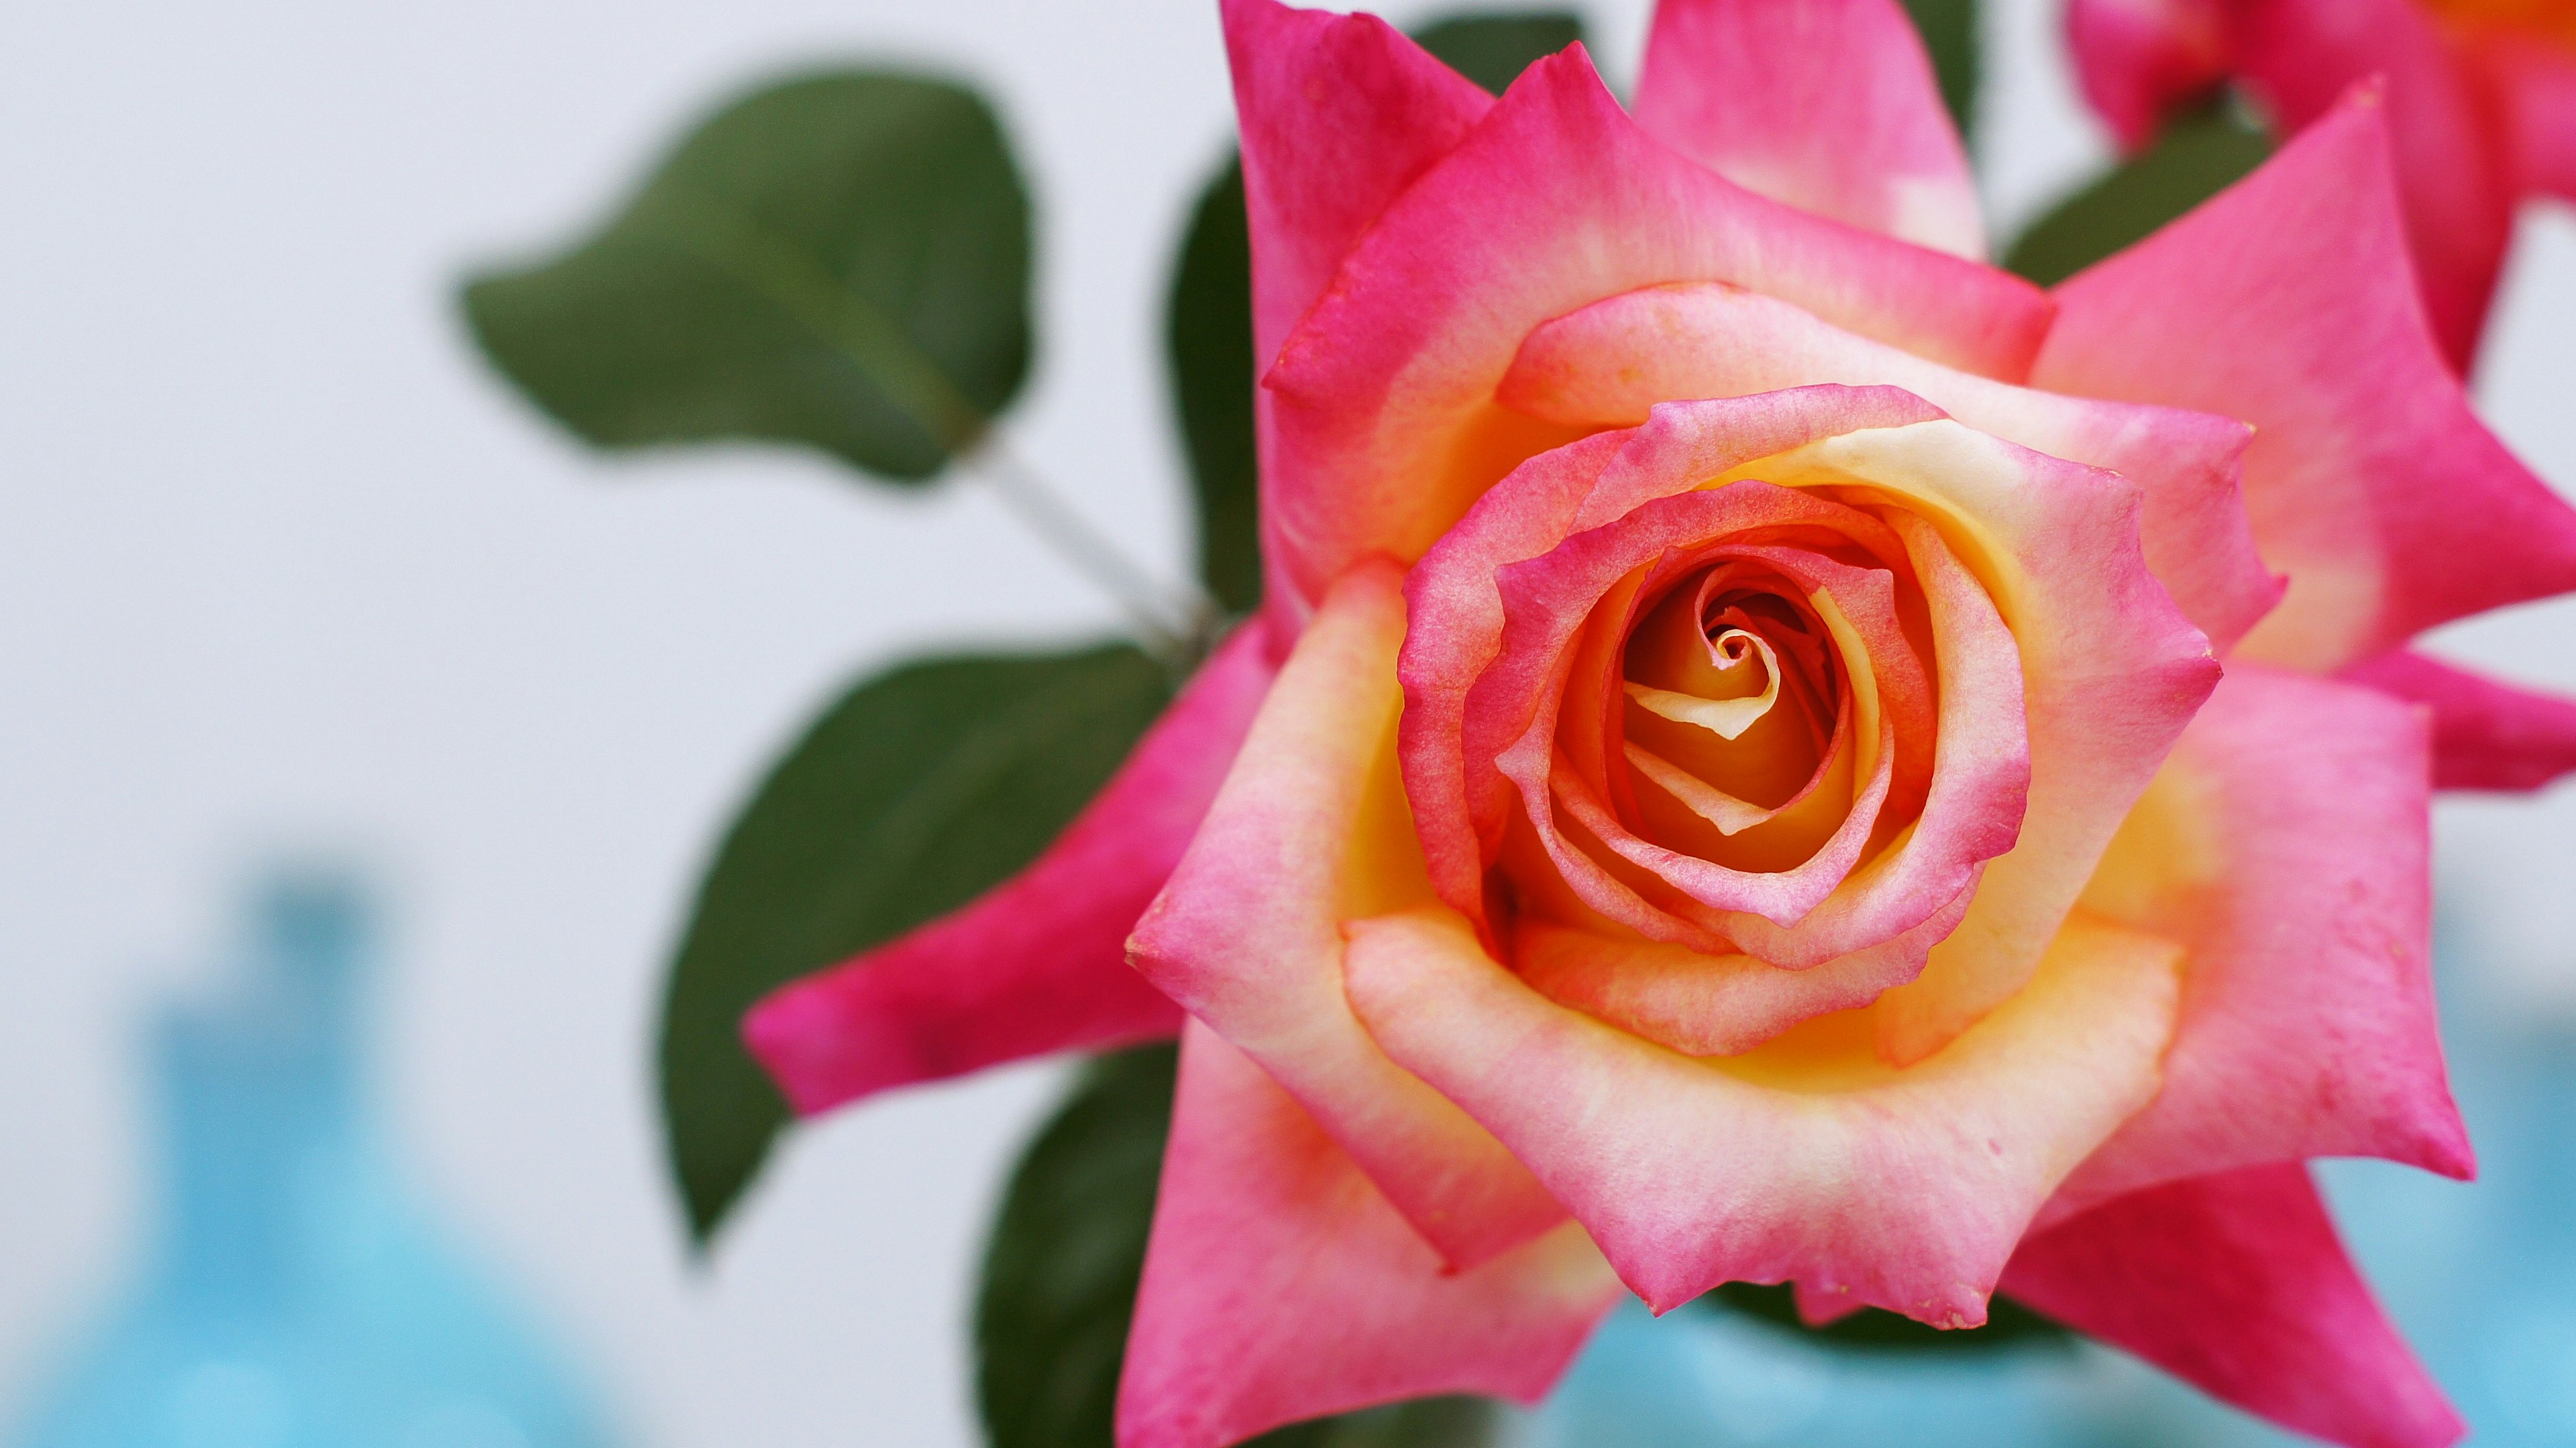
(283, 569)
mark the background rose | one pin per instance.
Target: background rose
(2482, 99)
(1452, 288)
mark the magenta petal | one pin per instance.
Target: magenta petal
(1038, 963)
(1279, 1285)
(2487, 734)
(2237, 1284)
(2302, 56)
(1828, 105)
(2538, 84)
(2138, 60)
(2286, 847)
(2286, 302)
(1339, 113)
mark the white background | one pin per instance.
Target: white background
(282, 567)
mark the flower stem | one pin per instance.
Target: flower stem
(1175, 625)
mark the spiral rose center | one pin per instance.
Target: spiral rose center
(1729, 722)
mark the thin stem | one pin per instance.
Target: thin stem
(1176, 624)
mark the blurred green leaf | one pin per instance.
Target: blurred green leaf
(2008, 1323)
(918, 790)
(1207, 335)
(1061, 1269)
(1207, 318)
(1427, 1423)
(840, 260)
(2198, 156)
(1492, 50)
(1949, 29)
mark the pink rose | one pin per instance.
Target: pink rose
(2481, 97)
(1734, 780)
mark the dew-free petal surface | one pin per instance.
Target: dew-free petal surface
(2286, 847)
(2238, 1285)
(1310, 829)
(1609, 364)
(2487, 734)
(1280, 1285)
(1828, 105)
(1384, 395)
(2285, 301)
(1901, 1189)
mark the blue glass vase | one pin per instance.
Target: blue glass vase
(292, 1296)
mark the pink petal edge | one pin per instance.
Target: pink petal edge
(1609, 364)
(1384, 395)
(2287, 847)
(1280, 1285)
(1310, 828)
(1338, 115)
(2487, 734)
(2238, 1285)
(1828, 105)
(2452, 161)
(2286, 301)
(1960, 1151)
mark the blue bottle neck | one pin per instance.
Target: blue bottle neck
(262, 1122)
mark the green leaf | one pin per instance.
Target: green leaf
(1061, 1269)
(1207, 317)
(2198, 156)
(840, 260)
(2008, 1323)
(1207, 336)
(1492, 50)
(917, 791)
(1949, 30)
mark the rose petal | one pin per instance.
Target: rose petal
(2237, 1284)
(2452, 172)
(2285, 301)
(1828, 105)
(1280, 1286)
(1387, 427)
(2486, 734)
(1039, 962)
(2538, 86)
(1455, 628)
(1608, 364)
(2285, 845)
(2139, 60)
(1902, 1189)
(1309, 829)
(1707, 1005)
(1338, 114)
